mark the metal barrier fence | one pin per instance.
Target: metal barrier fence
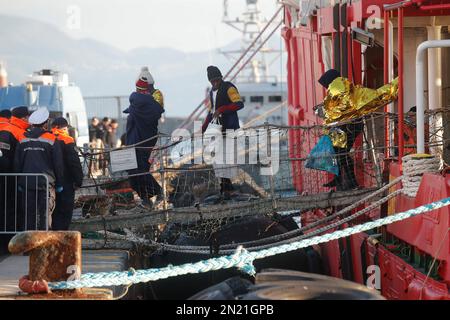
(26, 202)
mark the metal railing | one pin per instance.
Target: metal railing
(24, 202)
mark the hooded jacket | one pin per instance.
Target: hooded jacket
(142, 122)
(11, 133)
(38, 152)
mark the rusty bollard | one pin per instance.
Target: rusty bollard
(54, 256)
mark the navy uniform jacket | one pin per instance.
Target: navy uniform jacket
(38, 152)
(73, 172)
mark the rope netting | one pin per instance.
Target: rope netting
(267, 166)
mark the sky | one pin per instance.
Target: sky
(186, 25)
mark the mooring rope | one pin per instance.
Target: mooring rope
(242, 259)
(296, 232)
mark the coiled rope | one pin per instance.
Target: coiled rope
(414, 166)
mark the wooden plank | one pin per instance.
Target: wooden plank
(190, 215)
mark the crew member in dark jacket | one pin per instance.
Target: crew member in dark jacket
(144, 113)
(38, 152)
(225, 102)
(11, 132)
(72, 177)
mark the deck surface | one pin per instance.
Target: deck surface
(12, 268)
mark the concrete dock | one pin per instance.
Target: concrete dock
(12, 268)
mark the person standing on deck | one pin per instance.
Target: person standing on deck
(144, 113)
(225, 101)
(72, 177)
(38, 152)
(346, 180)
(11, 132)
(111, 135)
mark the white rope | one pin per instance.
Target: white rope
(241, 258)
(414, 166)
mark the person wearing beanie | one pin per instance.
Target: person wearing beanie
(144, 113)
(225, 102)
(39, 152)
(12, 130)
(72, 176)
(346, 180)
(146, 84)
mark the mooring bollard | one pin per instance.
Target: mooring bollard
(54, 256)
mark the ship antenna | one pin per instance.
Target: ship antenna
(249, 24)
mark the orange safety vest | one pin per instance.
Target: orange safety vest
(62, 136)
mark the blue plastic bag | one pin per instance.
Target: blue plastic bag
(322, 157)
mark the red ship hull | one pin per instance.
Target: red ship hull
(414, 255)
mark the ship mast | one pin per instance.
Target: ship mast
(249, 24)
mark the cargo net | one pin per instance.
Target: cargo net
(278, 164)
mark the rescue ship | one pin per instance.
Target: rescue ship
(370, 43)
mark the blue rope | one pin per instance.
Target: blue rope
(242, 259)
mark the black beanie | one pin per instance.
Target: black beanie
(20, 112)
(60, 122)
(5, 113)
(213, 73)
(328, 77)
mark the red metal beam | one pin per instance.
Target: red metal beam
(386, 79)
(434, 7)
(400, 85)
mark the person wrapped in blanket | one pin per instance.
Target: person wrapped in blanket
(225, 102)
(347, 103)
(144, 112)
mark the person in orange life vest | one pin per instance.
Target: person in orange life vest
(11, 131)
(5, 115)
(225, 102)
(39, 152)
(72, 177)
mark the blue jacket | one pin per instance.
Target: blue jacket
(142, 122)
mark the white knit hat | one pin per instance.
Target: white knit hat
(146, 76)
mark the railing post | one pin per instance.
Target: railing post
(163, 176)
(269, 155)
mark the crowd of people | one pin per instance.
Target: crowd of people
(36, 149)
(103, 136)
(46, 169)
(104, 133)
(42, 150)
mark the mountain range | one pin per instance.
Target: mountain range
(100, 69)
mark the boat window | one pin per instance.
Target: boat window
(275, 98)
(259, 99)
(48, 96)
(243, 98)
(12, 97)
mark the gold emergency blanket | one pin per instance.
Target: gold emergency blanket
(338, 138)
(345, 101)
